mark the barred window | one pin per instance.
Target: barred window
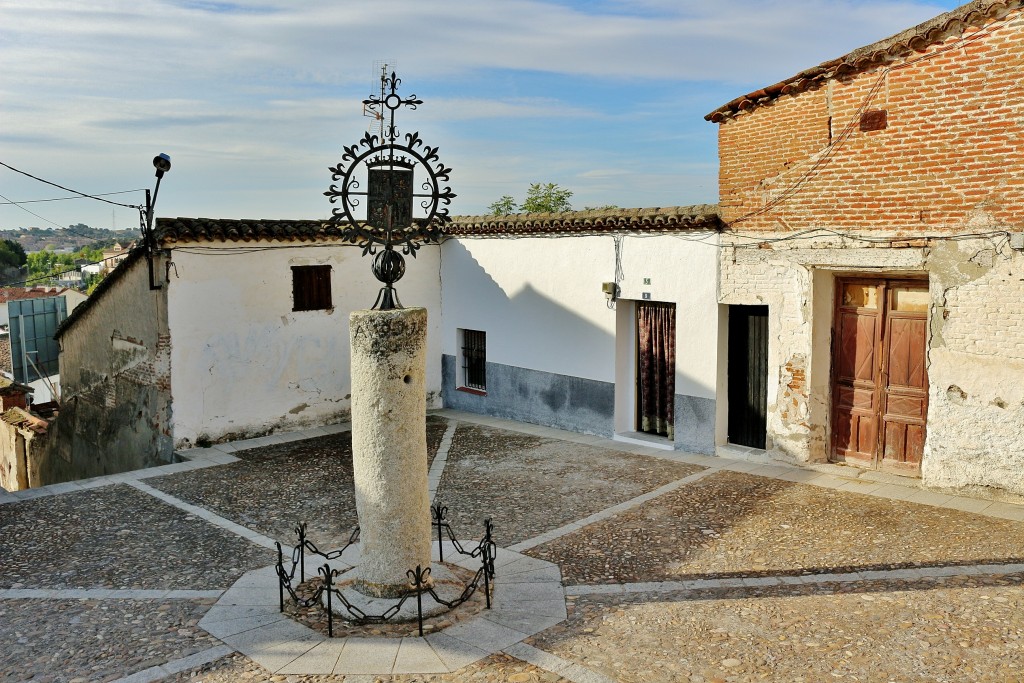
(311, 288)
(474, 359)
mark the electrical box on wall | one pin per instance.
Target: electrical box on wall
(611, 290)
(1017, 241)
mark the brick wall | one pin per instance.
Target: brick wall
(950, 158)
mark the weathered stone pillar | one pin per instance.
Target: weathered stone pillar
(389, 446)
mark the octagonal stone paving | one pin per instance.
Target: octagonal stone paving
(528, 598)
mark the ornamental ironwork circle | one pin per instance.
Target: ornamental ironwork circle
(391, 173)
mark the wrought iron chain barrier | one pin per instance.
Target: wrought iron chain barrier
(418, 577)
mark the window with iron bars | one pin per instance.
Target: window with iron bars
(474, 359)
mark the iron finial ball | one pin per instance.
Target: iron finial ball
(388, 266)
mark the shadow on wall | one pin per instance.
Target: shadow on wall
(543, 358)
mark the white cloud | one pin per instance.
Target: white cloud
(253, 100)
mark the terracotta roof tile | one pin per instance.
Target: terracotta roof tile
(916, 39)
(702, 216)
(21, 293)
(171, 230)
(21, 418)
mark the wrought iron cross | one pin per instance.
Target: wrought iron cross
(391, 166)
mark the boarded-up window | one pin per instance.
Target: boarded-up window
(311, 288)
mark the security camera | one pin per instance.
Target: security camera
(162, 164)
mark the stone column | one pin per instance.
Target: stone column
(389, 446)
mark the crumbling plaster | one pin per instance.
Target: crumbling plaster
(976, 367)
(975, 359)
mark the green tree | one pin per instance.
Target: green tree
(11, 254)
(94, 282)
(504, 206)
(42, 264)
(93, 255)
(547, 197)
(540, 198)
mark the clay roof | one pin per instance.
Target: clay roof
(171, 230)
(25, 420)
(18, 293)
(8, 386)
(916, 39)
(701, 216)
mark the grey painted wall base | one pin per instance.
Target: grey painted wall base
(544, 398)
(695, 424)
(571, 403)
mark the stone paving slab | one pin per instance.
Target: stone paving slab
(246, 619)
(735, 523)
(117, 538)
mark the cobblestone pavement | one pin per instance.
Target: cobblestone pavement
(763, 579)
(528, 484)
(96, 640)
(957, 629)
(738, 524)
(273, 489)
(117, 537)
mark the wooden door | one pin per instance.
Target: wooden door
(879, 381)
(748, 375)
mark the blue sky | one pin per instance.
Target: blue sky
(254, 100)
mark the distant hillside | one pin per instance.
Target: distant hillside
(70, 239)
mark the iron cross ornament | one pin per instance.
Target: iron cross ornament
(391, 173)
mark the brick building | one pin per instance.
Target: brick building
(873, 267)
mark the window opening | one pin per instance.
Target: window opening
(311, 288)
(474, 359)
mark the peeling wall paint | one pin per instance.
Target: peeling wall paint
(975, 359)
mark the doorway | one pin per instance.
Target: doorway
(656, 368)
(879, 379)
(748, 375)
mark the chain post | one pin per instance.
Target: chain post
(280, 574)
(302, 552)
(329, 587)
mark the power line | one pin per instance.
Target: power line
(68, 229)
(60, 199)
(68, 189)
(17, 204)
(50, 276)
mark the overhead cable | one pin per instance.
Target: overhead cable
(68, 189)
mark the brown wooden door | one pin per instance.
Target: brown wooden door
(879, 381)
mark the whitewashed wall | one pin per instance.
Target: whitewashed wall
(243, 363)
(541, 304)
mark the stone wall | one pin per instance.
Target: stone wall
(115, 372)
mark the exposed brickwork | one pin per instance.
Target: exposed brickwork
(950, 157)
(985, 317)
